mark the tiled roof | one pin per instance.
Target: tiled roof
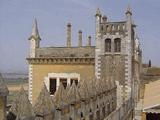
(51, 52)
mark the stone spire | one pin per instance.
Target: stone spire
(22, 107)
(35, 33)
(79, 38)
(73, 94)
(34, 40)
(44, 105)
(98, 12)
(129, 11)
(69, 34)
(83, 89)
(60, 98)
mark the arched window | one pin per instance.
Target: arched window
(108, 45)
(117, 45)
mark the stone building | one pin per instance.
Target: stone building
(116, 56)
(53, 65)
(3, 98)
(84, 82)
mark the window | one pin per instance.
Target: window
(74, 80)
(53, 80)
(64, 82)
(108, 45)
(53, 84)
(117, 45)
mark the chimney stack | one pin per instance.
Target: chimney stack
(80, 38)
(69, 35)
(89, 41)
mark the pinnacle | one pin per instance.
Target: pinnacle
(35, 32)
(129, 11)
(98, 12)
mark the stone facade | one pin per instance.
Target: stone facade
(118, 54)
(41, 71)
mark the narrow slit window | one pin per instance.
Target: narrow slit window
(108, 45)
(117, 45)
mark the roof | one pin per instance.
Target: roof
(152, 97)
(52, 52)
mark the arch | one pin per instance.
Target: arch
(107, 45)
(117, 45)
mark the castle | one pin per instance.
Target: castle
(84, 82)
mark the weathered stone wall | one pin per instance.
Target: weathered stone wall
(113, 65)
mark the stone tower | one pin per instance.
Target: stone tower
(3, 99)
(34, 44)
(115, 50)
(34, 40)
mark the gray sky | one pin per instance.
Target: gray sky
(16, 18)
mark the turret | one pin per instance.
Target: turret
(129, 21)
(79, 38)
(69, 35)
(98, 20)
(34, 40)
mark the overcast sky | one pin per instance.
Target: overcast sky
(16, 18)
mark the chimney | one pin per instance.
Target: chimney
(69, 35)
(89, 41)
(80, 38)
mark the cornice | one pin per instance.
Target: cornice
(62, 60)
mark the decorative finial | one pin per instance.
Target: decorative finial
(35, 32)
(129, 11)
(98, 12)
